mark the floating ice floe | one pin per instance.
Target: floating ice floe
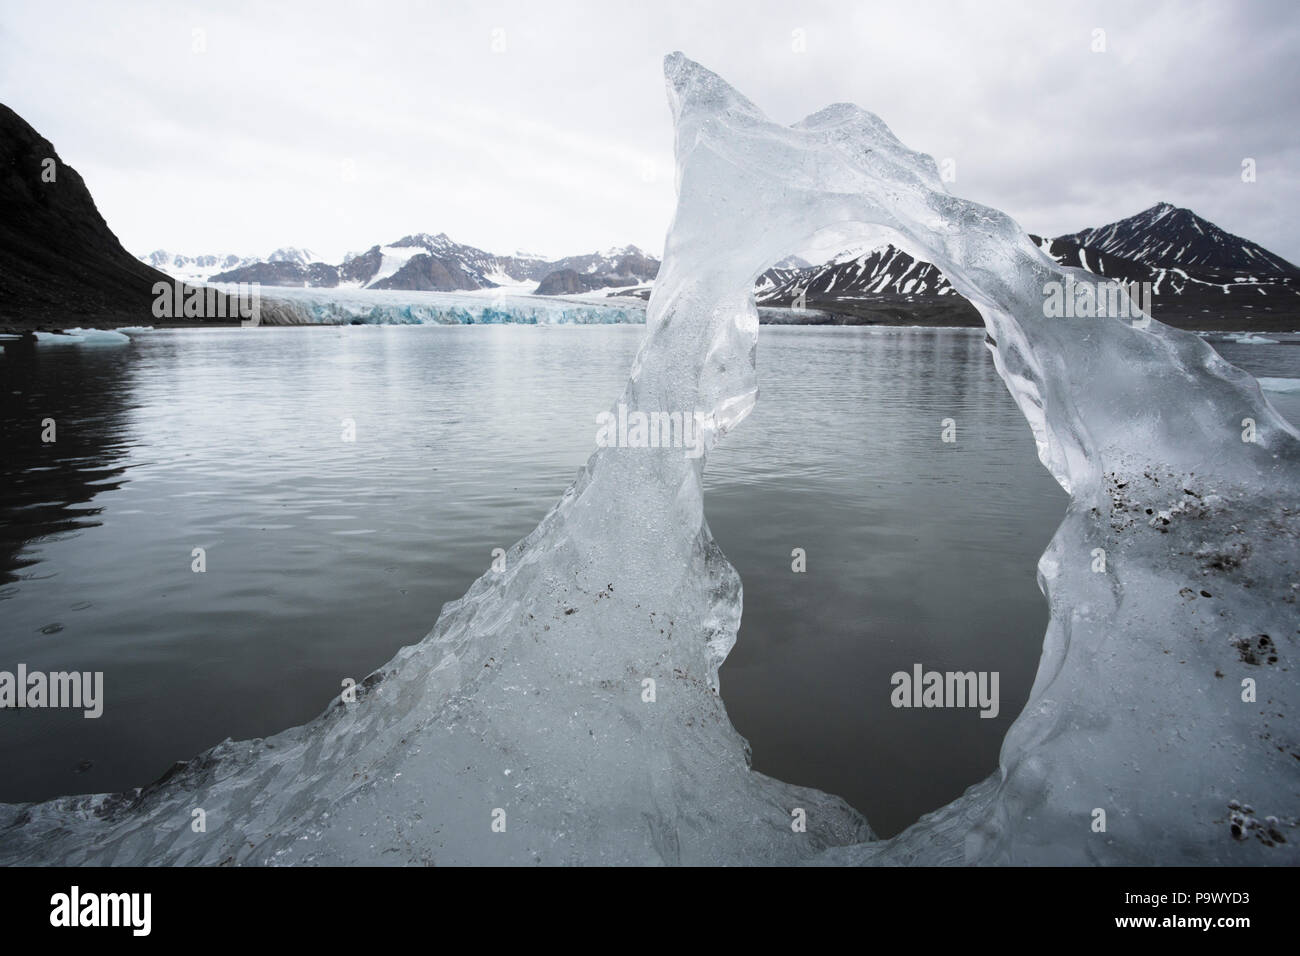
(82, 337)
(1252, 339)
(567, 708)
(1279, 384)
(100, 336)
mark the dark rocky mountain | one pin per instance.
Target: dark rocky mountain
(358, 269)
(1173, 280)
(60, 264)
(881, 283)
(282, 273)
(424, 272)
(439, 263)
(887, 271)
(1166, 235)
(572, 282)
(617, 268)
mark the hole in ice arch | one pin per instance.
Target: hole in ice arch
(919, 551)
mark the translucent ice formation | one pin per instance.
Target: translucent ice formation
(566, 709)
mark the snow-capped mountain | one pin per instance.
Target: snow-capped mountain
(1166, 235)
(425, 262)
(1170, 279)
(421, 262)
(878, 272)
(1178, 252)
(617, 268)
(302, 257)
(624, 262)
(195, 268)
(1190, 263)
(201, 268)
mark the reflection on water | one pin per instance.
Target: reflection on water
(74, 396)
(324, 555)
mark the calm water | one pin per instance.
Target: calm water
(325, 556)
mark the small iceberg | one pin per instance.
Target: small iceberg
(1279, 384)
(100, 336)
(82, 337)
(1251, 338)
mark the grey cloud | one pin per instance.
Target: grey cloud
(562, 142)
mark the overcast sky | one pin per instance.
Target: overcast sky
(543, 126)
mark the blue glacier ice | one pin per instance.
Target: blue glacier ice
(395, 307)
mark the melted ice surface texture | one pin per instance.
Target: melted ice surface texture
(528, 705)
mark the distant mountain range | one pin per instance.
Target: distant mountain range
(1193, 267)
(199, 268)
(1190, 263)
(420, 262)
(60, 265)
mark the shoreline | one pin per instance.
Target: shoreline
(882, 314)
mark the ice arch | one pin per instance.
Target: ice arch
(576, 692)
(1137, 708)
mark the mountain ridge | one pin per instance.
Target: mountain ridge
(1169, 235)
(421, 262)
(1188, 279)
(61, 265)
